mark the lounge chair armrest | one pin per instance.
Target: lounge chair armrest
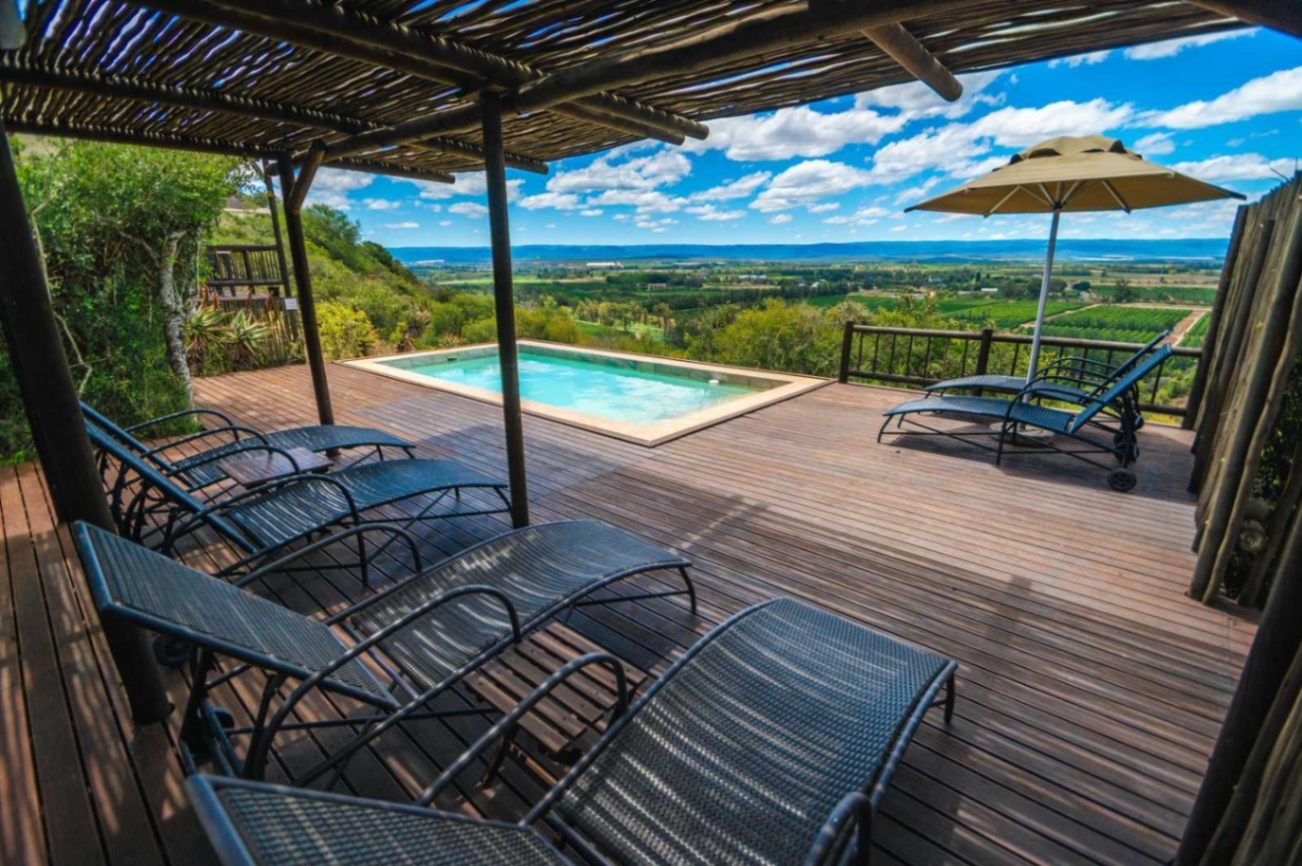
(506, 725)
(853, 812)
(262, 741)
(396, 532)
(232, 453)
(235, 430)
(184, 413)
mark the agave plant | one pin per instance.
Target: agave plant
(248, 338)
(206, 334)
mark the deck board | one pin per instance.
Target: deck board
(1090, 690)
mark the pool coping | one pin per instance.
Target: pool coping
(649, 435)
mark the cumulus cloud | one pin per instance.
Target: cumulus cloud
(1243, 166)
(646, 201)
(779, 219)
(864, 216)
(471, 183)
(915, 100)
(1155, 144)
(1090, 58)
(591, 212)
(662, 168)
(381, 204)
(805, 183)
(1279, 91)
(793, 132)
(558, 200)
(406, 224)
(734, 189)
(710, 212)
(1172, 47)
(468, 208)
(332, 185)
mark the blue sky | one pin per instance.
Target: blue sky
(1226, 108)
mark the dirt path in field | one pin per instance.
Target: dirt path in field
(1183, 326)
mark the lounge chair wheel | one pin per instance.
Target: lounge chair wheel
(172, 652)
(1122, 480)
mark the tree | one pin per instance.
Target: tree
(111, 216)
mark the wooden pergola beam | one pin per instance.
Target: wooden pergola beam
(900, 45)
(762, 34)
(1282, 15)
(346, 33)
(203, 99)
(758, 34)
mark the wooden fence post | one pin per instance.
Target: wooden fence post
(847, 338)
(983, 351)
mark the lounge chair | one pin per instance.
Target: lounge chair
(1104, 424)
(467, 610)
(1075, 379)
(151, 507)
(771, 741)
(203, 468)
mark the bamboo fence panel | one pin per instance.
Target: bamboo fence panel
(1257, 341)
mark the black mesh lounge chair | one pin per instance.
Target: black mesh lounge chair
(150, 507)
(1104, 424)
(475, 605)
(771, 741)
(203, 468)
(1075, 379)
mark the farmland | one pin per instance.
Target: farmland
(1121, 323)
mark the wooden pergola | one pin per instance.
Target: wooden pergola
(424, 88)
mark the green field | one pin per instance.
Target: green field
(1195, 336)
(1122, 324)
(1200, 296)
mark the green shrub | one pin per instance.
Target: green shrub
(345, 332)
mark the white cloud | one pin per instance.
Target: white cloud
(914, 194)
(445, 223)
(824, 207)
(916, 100)
(1172, 47)
(792, 132)
(734, 189)
(711, 213)
(381, 204)
(662, 168)
(591, 212)
(331, 186)
(646, 201)
(468, 208)
(406, 224)
(471, 183)
(864, 216)
(803, 184)
(550, 226)
(779, 219)
(1244, 166)
(901, 228)
(1090, 58)
(1279, 91)
(558, 200)
(1155, 144)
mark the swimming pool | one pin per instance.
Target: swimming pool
(635, 397)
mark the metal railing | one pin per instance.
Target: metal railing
(921, 356)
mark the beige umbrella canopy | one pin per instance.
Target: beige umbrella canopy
(1072, 173)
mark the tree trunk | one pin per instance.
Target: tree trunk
(175, 312)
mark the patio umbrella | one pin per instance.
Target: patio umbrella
(1071, 173)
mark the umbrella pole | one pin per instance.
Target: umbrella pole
(1044, 296)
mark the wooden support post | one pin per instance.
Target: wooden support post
(983, 351)
(900, 45)
(504, 296)
(50, 400)
(292, 193)
(847, 340)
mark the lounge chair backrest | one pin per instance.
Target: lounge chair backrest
(171, 598)
(112, 428)
(1127, 365)
(150, 475)
(1119, 388)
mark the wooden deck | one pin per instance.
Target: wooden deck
(1090, 688)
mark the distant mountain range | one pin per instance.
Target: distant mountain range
(1073, 249)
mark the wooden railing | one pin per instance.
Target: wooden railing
(920, 356)
(246, 266)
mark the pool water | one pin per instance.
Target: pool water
(591, 385)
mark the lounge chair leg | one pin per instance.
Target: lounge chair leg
(364, 562)
(882, 431)
(192, 733)
(498, 757)
(691, 588)
(951, 692)
(864, 840)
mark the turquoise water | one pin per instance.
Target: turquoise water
(591, 386)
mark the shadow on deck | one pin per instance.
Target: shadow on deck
(1090, 687)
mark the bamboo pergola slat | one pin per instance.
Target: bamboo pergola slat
(393, 85)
